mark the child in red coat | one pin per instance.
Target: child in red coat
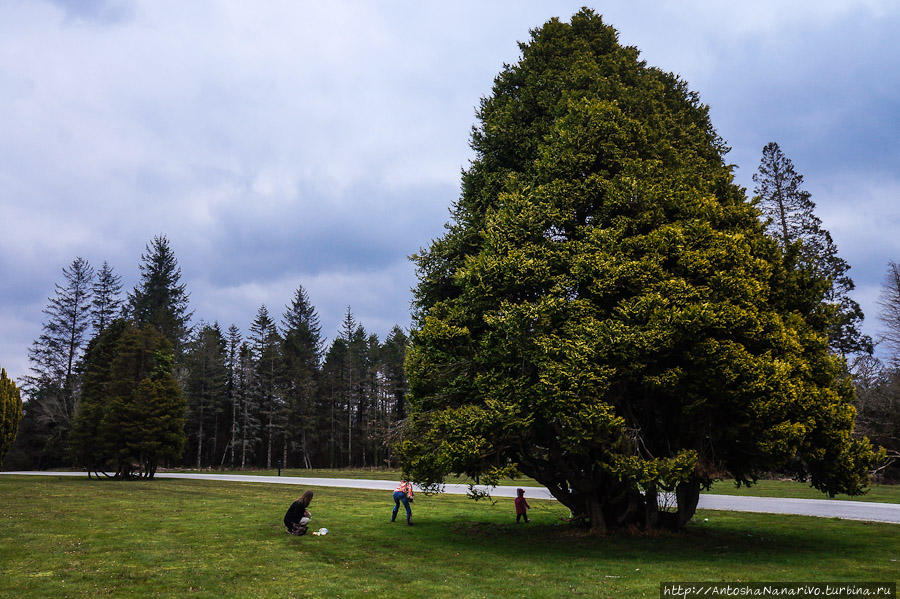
(521, 506)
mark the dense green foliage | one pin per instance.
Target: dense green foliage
(177, 538)
(301, 353)
(10, 412)
(605, 312)
(131, 415)
(106, 304)
(161, 299)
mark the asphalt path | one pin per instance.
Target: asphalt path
(823, 508)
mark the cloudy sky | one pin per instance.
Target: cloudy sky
(320, 143)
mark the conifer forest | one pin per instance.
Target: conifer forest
(206, 394)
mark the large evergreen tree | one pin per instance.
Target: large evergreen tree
(206, 387)
(10, 412)
(233, 390)
(265, 343)
(248, 409)
(86, 450)
(107, 301)
(333, 395)
(301, 351)
(131, 418)
(52, 388)
(160, 299)
(394, 358)
(790, 214)
(604, 312)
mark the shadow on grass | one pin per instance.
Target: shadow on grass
(733, 535)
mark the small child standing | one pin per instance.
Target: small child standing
(521, 506)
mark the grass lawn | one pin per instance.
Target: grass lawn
(763, 488)
(70, 537)
(789, 488)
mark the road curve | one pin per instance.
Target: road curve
(823, 508)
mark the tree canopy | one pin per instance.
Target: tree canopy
(161, 299)
(131, 415)
(605, 312)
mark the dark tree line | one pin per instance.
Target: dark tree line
(279, 396)
(878, 381)
(128, 384)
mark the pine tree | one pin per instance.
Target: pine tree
(791, 218)
(301, 352)
(249, 412)
(234, 344)
(265, 343)
(349, 376)
(787, 207)
(10, 413)
(333, 394)
(160, 299)
(52, 388)
(99, 356)
(394, 356)
(206, 389)
(107, 302)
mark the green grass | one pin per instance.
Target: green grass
(789, 488)
(70, 537)
(763, 488)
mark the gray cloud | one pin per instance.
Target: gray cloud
(319, 144)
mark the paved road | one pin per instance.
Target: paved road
(825, 508)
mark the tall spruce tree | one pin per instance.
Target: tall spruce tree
(265, 342)
(52, 388)
(301, 351)
(604, 312)
(249, 412)
(160, 299)
(354, 382)
(107, 301)
(233, 365)
(790, 214)
(206, 390)
(333, 394)
(394, 357)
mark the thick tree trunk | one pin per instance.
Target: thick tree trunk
(306, 463)
(269, 444)
(234, 417)
(688, 495)
(651, 508)
(595, 513)
(200, 440)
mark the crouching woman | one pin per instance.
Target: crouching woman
(296, 519)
